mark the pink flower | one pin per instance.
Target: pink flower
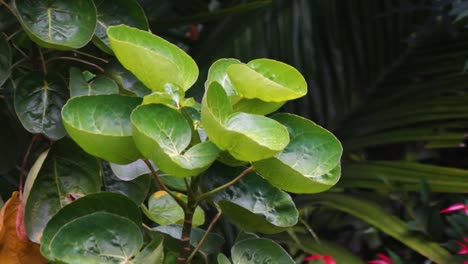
(455, 207)
(463, 246)
(383, 259)
(326, 259)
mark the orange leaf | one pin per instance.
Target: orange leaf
(13, 249)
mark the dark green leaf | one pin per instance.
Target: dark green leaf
(101, 85)
(116, 12)
(58, 24)
(101, 126)
(67, 172)
(8, 140)
(38, 102)
(222, 259)
(127, 82)
(258, 250)
(153, 253)
(112, 203)
(5, 60)
(132, 170)
(136, 189)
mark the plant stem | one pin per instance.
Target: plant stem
(162, 186)
(8, 7)
(43, 63)
(90, 56)
(186, 231)
(224, 186)
(205, 236)
(78, 60)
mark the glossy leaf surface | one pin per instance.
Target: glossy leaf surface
(99, 237)
(152, 59)
(126, 81)
(38, 102)
(58, 24)
(164, 210)
(267, 80)
(252, 203)
(112, 12)
(66, 172)
(101, 85)
(130, 171)
(258, 250)
(163, 135)
(311, 161)
(136, 189)
(101, 126)
(247, 137)
(5, 60)
(153, 253)
(115, 204)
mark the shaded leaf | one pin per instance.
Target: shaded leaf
(252, 203)
(66, 172)
(101, 85)
(153, 253)
(153, 60)
(259, 250)
(8, 140)
(116, 12)
(38, 103)
(12, 248)
(222, 259)
(5, 60)
(127, 82)
(136, 189)
(132, 170)
(311, 161)
(58, 24)
(101, 126)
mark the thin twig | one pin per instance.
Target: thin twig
(224, 186)
(91, 56)
(8, 7)
(8, 38)
(43, 62)
(163, 186)
(18, 62)
(76, 59)
(19, 50)
(310, 230)
(205, 236)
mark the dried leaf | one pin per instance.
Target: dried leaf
(14, 250)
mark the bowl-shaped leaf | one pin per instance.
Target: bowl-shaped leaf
(101, 126)
(153, 60)
(267, 80)
(162, 134)
(311, 161)
(58, 24)
(247, 137)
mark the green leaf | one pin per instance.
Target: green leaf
(127, 82)
(252, 203)
(247, 137)
(153, 253)
(101, 85)
(164, 210)
(375, 215)
(222, 259)
(99, 237)
(259, 250)
(66, 172)
(136, 189)
(212, 244)
(218, 73)
(38, 102)
(5, 60)
(112, 203)
(132, 170)
(163, 135)
(153, 60)
(58, 24)
(171, 96)
(311, 161)
(101, 126)
(116, 12)
(267, 80)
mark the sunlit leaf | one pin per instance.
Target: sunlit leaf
(58, 24)
(132, 170)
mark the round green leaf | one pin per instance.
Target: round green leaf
(252, 203)
(222, 259)
(136, 189)
(172, 96)
(127, 82)
(218, 73)
(116, 12)
(101, 126)
(5, 60)
(101, 85)
(58, 24)
(67, 172)
(132, 170)
(38, 102)
(152, 59)
(311, 161)
(247, 137)
(259, 250)
(153, 253)
(162, 134)
(164, 210)
(267, 80)
(112, 203)
(100, 237)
